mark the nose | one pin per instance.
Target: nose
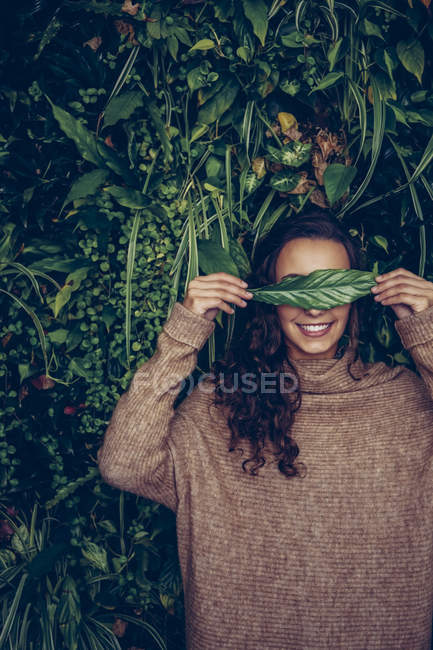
(314, 312)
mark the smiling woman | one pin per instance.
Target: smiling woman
(274, 335)
(333, 538)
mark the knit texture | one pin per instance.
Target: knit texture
(340, 559)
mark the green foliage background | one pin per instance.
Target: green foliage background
(130, 134)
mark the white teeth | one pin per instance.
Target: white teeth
(315, 328)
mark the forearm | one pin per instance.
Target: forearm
(135, 455)
(416, 334)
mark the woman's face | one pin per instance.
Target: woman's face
(301, 256)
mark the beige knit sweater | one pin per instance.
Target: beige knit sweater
(341, 559)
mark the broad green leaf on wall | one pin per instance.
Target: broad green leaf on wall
(212, 110)
(58, 336)
(380, 241)
(127, 197)
(399, 112)
(252, 182)
(292, 154)
(337, 179)
(86, 185)
(371, 29)
(328, 80)
(419, 96)
(245, 53)
(75, 278)
(421, 116)
(83, 138)
(196, 78)
(335, 52)
(198, 131)
(284, 180)
(291, 87)
(292, 39)
(257, 13)
(62, 298)
(321, 289)
(214, 166)
(213, 258)
(239, 256)
(203, 44)
(122, 106)
(411, 54)
(173, 46)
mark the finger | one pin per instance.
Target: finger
(419, 283)
(399, 271)
(219, 293)
(407, 285)
(405, 299)
(224, 277)
(215, 286)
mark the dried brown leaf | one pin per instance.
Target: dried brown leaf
(129, 8)
(318, 198)
(94, 43)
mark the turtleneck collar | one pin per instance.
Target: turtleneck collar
(332, 375)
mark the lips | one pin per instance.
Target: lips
(305, 329)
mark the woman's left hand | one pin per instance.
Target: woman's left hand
(405, 292)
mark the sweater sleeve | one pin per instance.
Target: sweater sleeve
(416, 334)
(135, 454)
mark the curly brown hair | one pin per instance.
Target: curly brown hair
(258, 347)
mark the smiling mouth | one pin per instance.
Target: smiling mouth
(317, 329)
(314, 324)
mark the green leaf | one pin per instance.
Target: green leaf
(58, 336)
(203, 44)
(328, 80)
(284, 181)
(62, 298)
(333, 53)
(293, 154)
(411, 54)
(337, 179)
(83, 138)
(196, 78)
(399, 112)
(77, 276)
(122, 106)
(96, 555)
(257, 13)
(86, 185)
(214, 107)
(371, 29)
(381, 241)
(213, 258)
(321, 289)
(422, 116)
(239, 256)
(292, 39)
(76, 367)
(127, 196)
(173, 46)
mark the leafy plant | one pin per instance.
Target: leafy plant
(321, 289)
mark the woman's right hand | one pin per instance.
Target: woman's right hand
(207, 294)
